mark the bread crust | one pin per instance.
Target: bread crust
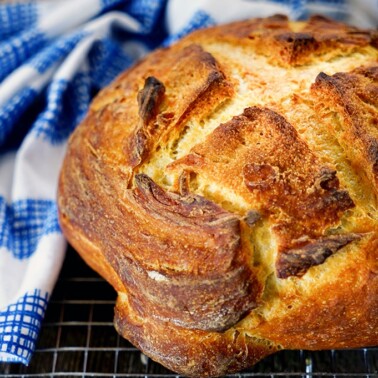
(226, 187)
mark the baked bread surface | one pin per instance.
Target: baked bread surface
(227, 188)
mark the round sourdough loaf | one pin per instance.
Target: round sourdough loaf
(226, 186)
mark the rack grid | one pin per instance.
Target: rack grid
(78, 339)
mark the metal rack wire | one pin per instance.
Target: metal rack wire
(78, 340)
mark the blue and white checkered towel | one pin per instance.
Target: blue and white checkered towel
(54, 56)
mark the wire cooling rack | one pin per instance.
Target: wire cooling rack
(78, 340)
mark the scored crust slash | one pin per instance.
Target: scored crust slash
(227, 188)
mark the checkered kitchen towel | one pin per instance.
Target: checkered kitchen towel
(54, 56)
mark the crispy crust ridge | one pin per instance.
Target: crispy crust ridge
(229, 194)
(353, 97)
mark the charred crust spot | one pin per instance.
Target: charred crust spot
(140, 143)
(193, 209)
(260, 176)
(136, 148)
(322, 79)
(296, 262)
(372, 152)
(252, 217)
(327, 179)
(294, 46)
(165, 118)
(146, 185)
(183, 183)
(297, 40)
(342, 199)
(149, 98)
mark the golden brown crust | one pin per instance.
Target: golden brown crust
(226, 290)
(320, 38)
(192, 352)
(227, 188)
(353, 96)
(260, 157)
(296, 261)
(336, 310)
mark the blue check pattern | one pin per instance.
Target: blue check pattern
(16, 17)
(23, 222)
(20, 323)
(55, 51)
(11, 112)
(67, 102)
(43, 109)
(47, 80)
(17, 49)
